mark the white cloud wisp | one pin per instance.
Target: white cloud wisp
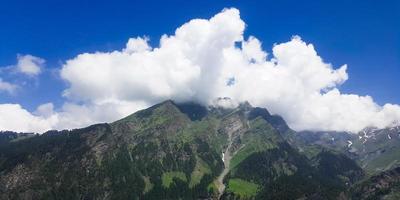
(29, 65)
(7, 87)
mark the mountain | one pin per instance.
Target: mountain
(376, 150)
(182, 151)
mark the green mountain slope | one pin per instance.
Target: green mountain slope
(174, 151)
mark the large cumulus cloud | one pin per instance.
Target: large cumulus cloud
(207, 59)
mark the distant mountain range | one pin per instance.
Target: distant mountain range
(188, 151)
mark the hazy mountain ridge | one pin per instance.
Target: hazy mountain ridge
(376, 150)
(180, 151)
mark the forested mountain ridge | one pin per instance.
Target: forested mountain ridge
(177, 151)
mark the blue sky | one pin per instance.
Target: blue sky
(363, 34)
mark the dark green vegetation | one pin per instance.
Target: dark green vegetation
(179, 151)
(9, 136)
(385, 185)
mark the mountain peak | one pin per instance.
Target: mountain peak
(245, 106)
(161, 113)
(275, 120)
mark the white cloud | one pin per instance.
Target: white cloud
(74, 115)
(26, 64)
(13, 117)
(29, 65)
(136, 45)
(182, 67)
(196, 63)
(45, 110)
(7, 87)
